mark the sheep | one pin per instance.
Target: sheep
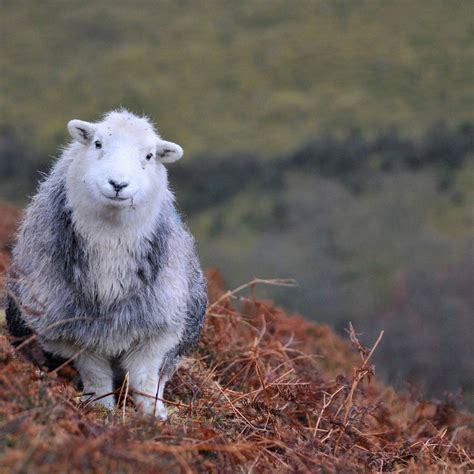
(103, 270)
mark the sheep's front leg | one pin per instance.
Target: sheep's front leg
(145, 368)
(97, 378)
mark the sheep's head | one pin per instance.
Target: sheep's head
(121, 160)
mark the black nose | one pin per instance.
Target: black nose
(117, 186)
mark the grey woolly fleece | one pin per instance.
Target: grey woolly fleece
(164, 289)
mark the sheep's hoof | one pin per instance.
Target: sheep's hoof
(158, 411)
(106, 403)
(161, 414)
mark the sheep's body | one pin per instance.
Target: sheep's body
(112, 284)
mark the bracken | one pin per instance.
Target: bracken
(263, 392)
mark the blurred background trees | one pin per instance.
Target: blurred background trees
(331, 142)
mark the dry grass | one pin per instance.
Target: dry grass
(264, 392)
(9, 218)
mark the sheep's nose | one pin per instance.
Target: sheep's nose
(117, 186)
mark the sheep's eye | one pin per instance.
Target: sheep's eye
(98, 144)
(149, 156)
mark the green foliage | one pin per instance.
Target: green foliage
(355, 160)
(223, 76)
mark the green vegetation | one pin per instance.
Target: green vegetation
(220, 75)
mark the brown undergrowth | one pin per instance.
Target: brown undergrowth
(263, 392)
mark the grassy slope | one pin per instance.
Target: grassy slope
(236, 75)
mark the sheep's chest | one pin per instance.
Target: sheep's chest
(113, 271)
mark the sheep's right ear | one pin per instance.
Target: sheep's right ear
(82, 132)
(168, 152)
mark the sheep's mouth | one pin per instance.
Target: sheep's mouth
(117, 198)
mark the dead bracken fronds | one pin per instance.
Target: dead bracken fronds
(263, 392)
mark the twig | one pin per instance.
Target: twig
(77, 354)
(256, 281)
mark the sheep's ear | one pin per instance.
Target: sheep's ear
(82, 132)
(167, 152)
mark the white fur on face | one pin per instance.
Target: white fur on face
(116, 166)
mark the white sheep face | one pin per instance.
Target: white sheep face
(119, 163)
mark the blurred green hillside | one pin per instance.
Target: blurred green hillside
(329, 141)
(247, 75)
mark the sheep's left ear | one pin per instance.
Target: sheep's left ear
(167, 152)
